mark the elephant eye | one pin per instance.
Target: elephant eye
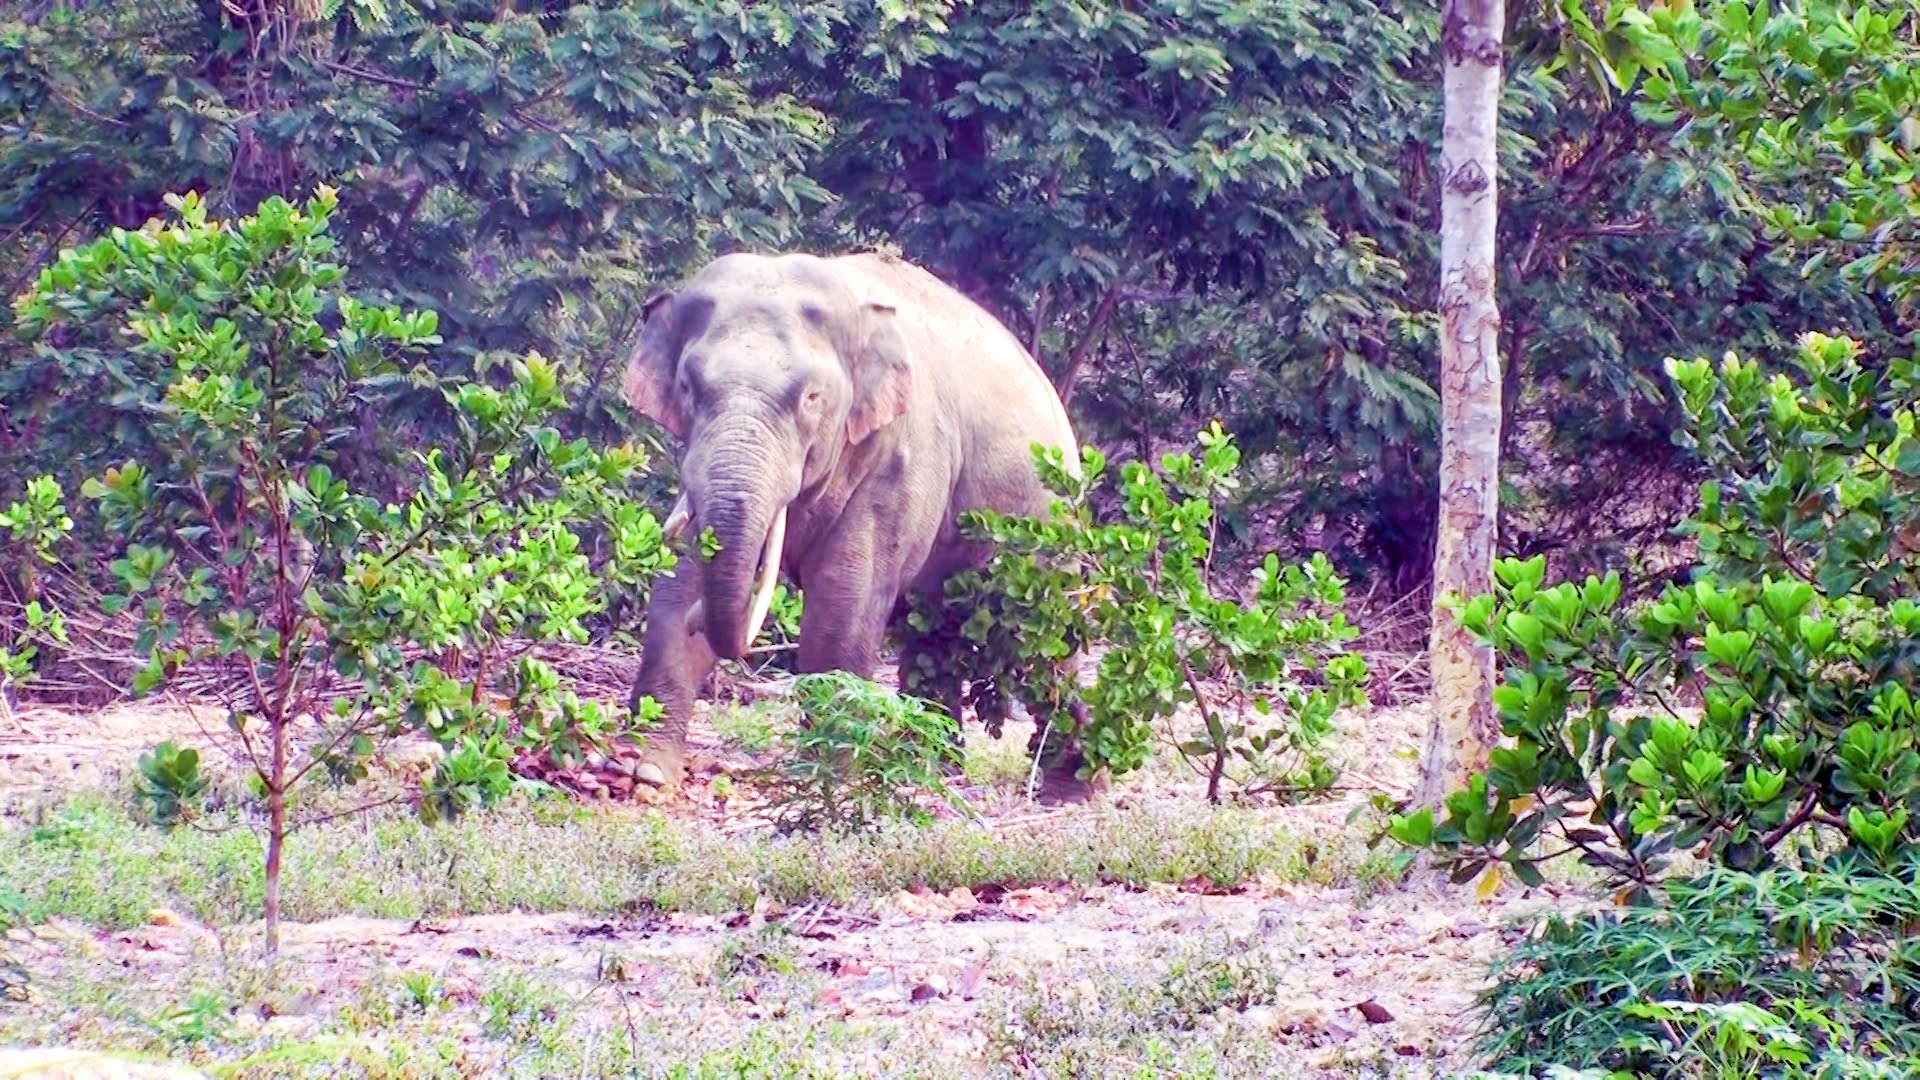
(811, 400)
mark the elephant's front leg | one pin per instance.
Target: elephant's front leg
(675, 660)
(850, 600)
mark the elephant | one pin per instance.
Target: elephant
(837, 415)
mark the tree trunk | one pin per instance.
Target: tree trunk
(1463, 728)
(276, 840)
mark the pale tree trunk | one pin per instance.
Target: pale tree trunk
(1464, 728)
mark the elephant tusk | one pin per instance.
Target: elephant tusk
(679, 518)
(769, 575)
(696, 618)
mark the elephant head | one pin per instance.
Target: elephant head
(771, 371)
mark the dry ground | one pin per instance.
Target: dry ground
(1316, 961)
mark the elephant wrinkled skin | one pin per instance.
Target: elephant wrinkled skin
(838, 414)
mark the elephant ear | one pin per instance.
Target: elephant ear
(882, 372)
(648, 383)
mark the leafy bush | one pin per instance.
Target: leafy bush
(243, 549)
(35, 527)
(1809, 973)
(1142, 589)
(169, 782)
(1799, 636)
(862, 754)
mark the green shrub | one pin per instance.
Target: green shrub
(861, 755)
(1142, 588)
(1773, 973)
(1799, 636)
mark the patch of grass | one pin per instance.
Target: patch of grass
(751, 728)
(1177, 1011)
(1189, 1006)
(760, 966)
(89, 860)
(518, 1006)
(996, 764)
(522, 1023)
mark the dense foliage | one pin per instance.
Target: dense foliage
(1758, 713)
(1799, 631)
(1816, 101)
(506, 175)
(1189, 211)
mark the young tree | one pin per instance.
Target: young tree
(242, 545)
(1464, 727)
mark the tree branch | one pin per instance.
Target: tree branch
(373, 76)
(1041, 303)
(1096, 328)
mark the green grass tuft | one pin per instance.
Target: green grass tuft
(89, 860)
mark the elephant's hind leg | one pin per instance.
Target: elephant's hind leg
(924, 673)
(1062, 760)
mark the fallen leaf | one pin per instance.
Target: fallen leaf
(1035, 901)
(971, 978)
(1489, 883)
(990, 892)
(1374, 1012)
(1206, 886)
(165, 917)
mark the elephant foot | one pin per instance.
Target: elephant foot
(1063, 785)
(660, 767)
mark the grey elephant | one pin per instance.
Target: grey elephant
(838, 415)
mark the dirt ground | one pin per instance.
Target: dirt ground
(1384, 975)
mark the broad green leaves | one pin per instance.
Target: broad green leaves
(1817, 101)
(1798, 637)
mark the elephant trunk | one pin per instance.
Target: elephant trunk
(735, 497)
